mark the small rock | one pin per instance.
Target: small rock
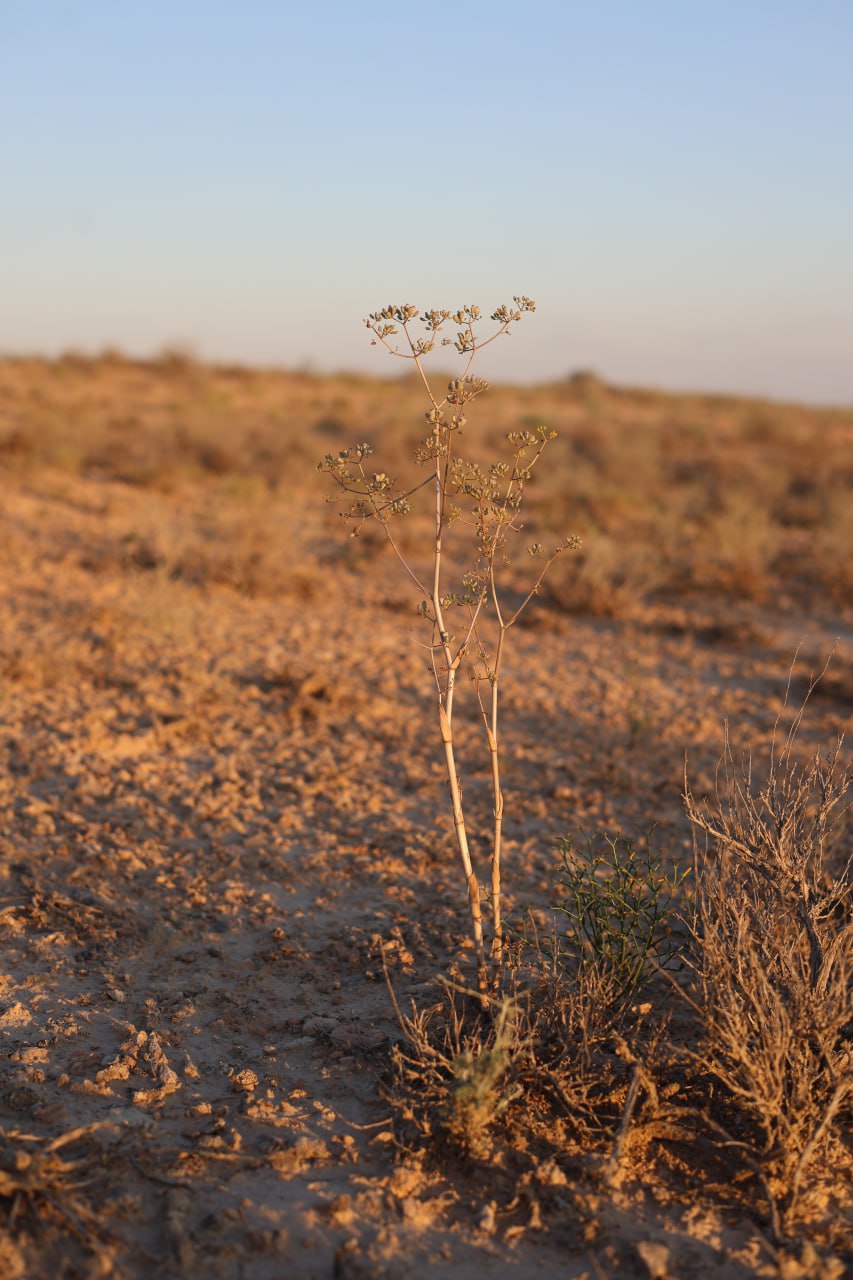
(487, 1220)
(655, 1256)
(350, 1035)
(191, 1071)
(319, 1026)
(340, 1211)
(244, 1081)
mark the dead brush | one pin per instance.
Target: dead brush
(554, 1071)
(565, 1064)
(450, 1075)
(36, 1181)
(594, 1047)
(772, 944)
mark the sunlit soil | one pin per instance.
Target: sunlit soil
(223, 805)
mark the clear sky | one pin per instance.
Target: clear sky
(671, 180)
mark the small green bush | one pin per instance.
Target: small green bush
(617, 901)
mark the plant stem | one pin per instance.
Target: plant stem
(445, 715)
(472, 883)
(498, 809)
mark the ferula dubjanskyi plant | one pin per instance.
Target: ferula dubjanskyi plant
(482, 505)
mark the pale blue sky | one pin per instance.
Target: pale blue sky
(671, 180)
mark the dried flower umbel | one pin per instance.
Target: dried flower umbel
(482, 505)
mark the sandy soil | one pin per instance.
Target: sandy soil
(218, 813)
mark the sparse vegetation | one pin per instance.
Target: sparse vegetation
(763, 1067)
(705, 509)
(217, 823)
(774, 997)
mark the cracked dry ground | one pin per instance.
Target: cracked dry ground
(218, 813)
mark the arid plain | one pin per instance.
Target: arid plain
(223, 811)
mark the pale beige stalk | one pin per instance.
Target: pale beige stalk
(494, 500)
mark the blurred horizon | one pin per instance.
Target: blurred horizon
(669, 183)
(184, 356)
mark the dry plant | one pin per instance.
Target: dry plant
(482, 506)
(453, 1073)
(557, 1072)
(773, 943)
(38, 1181)
(568, 1057)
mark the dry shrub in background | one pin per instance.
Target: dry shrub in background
(773, 955)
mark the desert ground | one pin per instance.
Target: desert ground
(224, 825)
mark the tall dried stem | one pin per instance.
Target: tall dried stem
(492, 501)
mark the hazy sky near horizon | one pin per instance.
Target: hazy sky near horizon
(671, 181)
